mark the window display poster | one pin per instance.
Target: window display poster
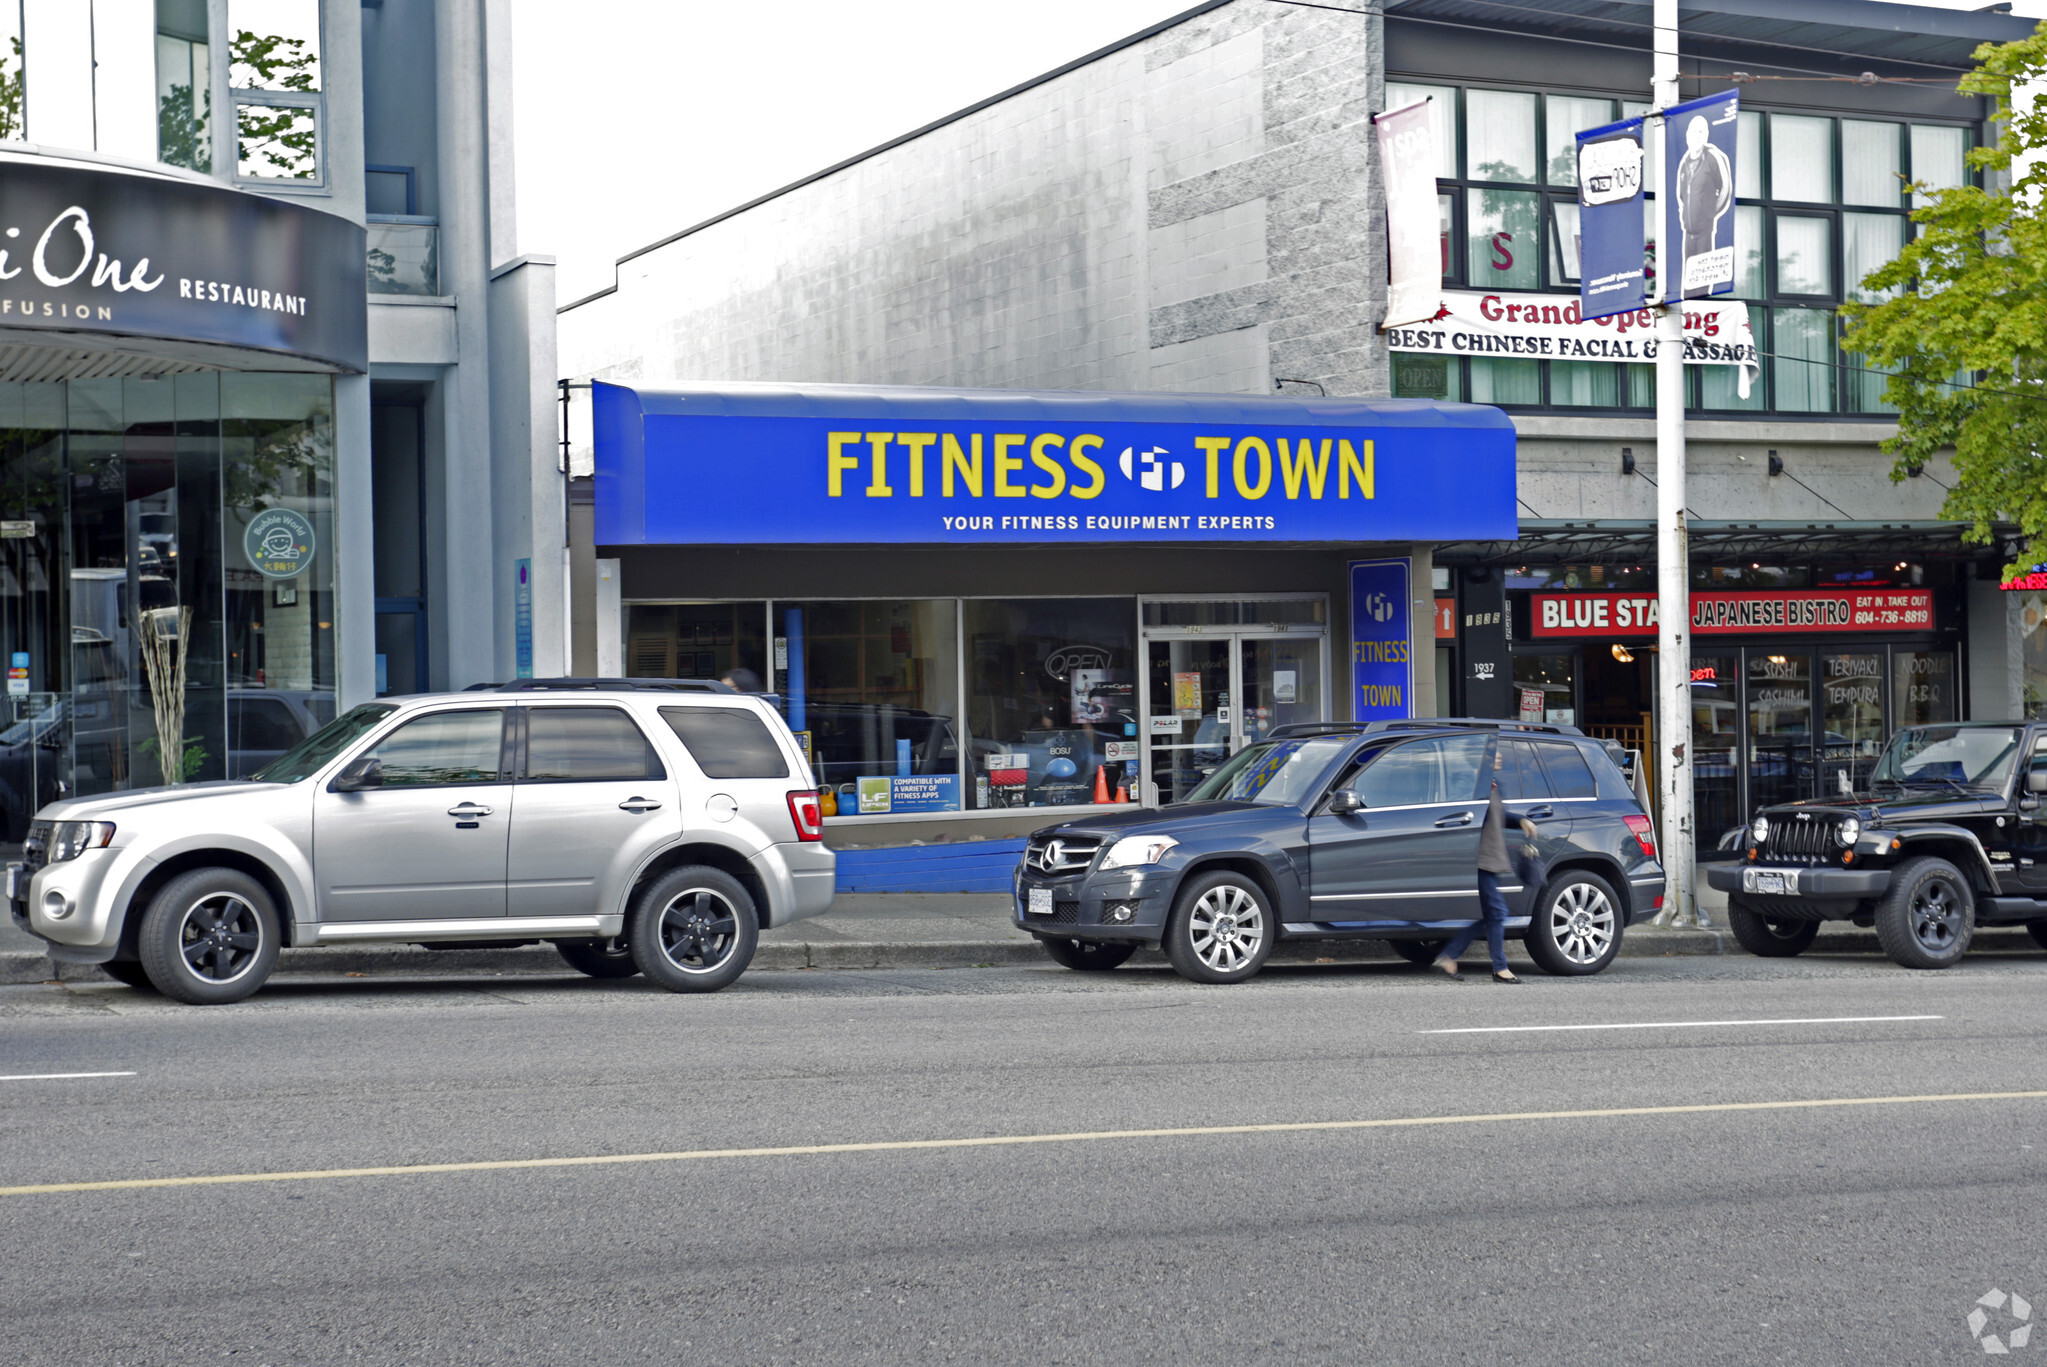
(896, 794)
(1284, 685)
(1382, 675)
(1187, 694)
(1102, 695)
(1531, 704)
(1063, 772)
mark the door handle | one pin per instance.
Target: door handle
(1544, 810)
(638, 804)
(468, 811)
(1461, 819)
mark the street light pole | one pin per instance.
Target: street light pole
(1673, 554)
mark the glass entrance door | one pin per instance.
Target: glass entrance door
(1210, 695)
(1781, 749)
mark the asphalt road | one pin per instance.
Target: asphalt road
(1794, 1233)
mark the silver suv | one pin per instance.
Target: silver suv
(641, 826)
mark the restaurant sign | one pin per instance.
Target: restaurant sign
(1735, 614)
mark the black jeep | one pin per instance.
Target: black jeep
(1950, 836)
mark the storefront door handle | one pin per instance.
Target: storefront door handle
(1461, 819)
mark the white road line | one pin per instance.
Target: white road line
(54, 1077)
(1668, 1025)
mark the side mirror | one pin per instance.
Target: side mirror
(2036, 780)
(1343, 802)
(367, 772)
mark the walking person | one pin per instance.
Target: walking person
(1492, 864)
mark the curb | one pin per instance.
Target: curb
(21, 967)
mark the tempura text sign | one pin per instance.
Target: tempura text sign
(1732, 614)
(840, 464)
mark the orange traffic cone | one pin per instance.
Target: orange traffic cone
(1122, 793)
(1101, 783)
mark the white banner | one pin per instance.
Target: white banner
(1414, 237)
(1550, 327)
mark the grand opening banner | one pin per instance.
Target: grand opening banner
(849, 464)
(1414, 240)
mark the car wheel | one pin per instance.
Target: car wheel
(1927, 915)
(611, 958)
(1088, 956)
(1421, 952)
(2038, 930)
(129, 971)
(209, 937)
(693, 930)
(1221, 929)
(1576, 928)
(1777, 937)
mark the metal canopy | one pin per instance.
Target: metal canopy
(1549, 542)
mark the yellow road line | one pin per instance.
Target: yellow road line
(1002, 1141)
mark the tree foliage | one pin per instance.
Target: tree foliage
(1965, 333)
(275, 140)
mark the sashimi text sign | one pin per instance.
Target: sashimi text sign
(1732, 614)
(844, 464)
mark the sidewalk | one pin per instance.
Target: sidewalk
(897, 930)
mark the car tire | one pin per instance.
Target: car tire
(1221, 929)
(1421, 952)
(210, 937)
(1577, 925)
(2038, 930)
(694, 929)
(1927, 915)
(129, 971)
(1086, 956)
(612, 958)
(1781, 938)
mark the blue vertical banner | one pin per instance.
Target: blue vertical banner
(1610, 247)
(1381, 628)
(1697, 246)
(522, 615)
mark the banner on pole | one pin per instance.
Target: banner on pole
(1610, 235)
(1697, 250)
(1414, 242)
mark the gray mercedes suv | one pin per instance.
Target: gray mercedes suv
(640, 826)
(1351, 831)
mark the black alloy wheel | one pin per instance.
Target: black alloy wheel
(210, 936)
(1771, 937)
(1088, 956)
(1927, 916)
(694, 929)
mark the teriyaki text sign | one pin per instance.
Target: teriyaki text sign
(1735, 614)
(845, 464)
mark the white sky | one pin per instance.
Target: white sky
(636, 118)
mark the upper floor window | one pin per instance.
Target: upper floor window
(274, 70)
(184, 86)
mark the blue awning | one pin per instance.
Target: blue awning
(766, 464)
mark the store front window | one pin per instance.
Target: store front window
(166, 580)
(697, 641)
(1546, 688)
(1051, 699)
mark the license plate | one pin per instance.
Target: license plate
(1776, 882)
(1041, 902)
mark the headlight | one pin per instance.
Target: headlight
(1848, 830)
(1759, 830)
(1138, 849)
(73, 838)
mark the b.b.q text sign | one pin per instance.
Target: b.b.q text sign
(839, 464)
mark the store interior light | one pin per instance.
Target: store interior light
(1776, 659)
(1623, 654)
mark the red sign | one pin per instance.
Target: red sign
(1446, 619)
(2031, 582)
(1736, 614)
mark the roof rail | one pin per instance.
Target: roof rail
(608, 685)
(1360, 728)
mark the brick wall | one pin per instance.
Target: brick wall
(1197, 211)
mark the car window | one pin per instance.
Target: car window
(1424, 771)
(1521, 777)
(262, 724)
(311, 754)
(1568, 772)
(586, 745)
(442, 748)
(1275, 772)
(727, 742)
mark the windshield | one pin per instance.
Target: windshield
(309, 755)
(1966, 756)
(1274, 772)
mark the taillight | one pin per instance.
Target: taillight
(807, 814)
(1644, 832)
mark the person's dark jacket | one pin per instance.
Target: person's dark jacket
(1492, 838)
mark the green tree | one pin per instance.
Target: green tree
(1971, 300)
